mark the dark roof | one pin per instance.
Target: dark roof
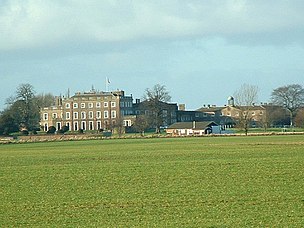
(146, 102)
(189, 125)
(210, 109)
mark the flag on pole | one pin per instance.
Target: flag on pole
(107, 84)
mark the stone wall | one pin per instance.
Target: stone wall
(53, 138)
(49, 138)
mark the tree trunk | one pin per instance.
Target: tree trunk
(291, 118)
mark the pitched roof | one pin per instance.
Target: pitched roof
(189, 125)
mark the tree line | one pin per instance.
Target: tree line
(23, 108)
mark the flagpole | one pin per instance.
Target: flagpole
(107, 86)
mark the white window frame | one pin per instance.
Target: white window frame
(98, 125)
(106, 114)
(113, 104)
(91, 125)
(91, 115)
(127, 123)
(45, 116)
(82, 105)
(68, 115)
(75, 126)
(75, 105)
(75, 115)
(113, 114)
(58, 125)
(105, 104)
(98, 105)
(98, 114)
(83, 115)
(67, 105)
(83, 125)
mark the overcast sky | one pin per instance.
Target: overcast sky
(202, 50)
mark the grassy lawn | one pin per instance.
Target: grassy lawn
(168, 182)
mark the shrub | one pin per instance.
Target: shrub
(51, 130)
(5, 131)
(80, 131)
(24, 132)
(64, 129)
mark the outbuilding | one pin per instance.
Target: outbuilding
(193, 128)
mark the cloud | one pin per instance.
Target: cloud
(27, 24)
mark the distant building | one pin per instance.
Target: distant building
(87, 111)
(261, 115)
(168, 111)
(214, 113)
(94, 110)
(191, 128)
(189, 116)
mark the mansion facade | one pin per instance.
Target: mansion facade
(87, 111)
(98, 111)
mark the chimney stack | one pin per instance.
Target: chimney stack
(182, 107)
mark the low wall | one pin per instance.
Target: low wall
(52, 138)
(48, 138)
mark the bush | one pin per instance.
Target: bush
(64, 129)
(25, 132)
(80, 131)
(5, 131)
(51, 130)
(34, 132)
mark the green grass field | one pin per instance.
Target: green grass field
(168, 182)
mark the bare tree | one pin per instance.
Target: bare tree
(299, 118)
(274, 115)
(154, 100)
(290, 97)
(266, 120)
(23, 107)
(119, 127)
(45, 100)
(245, 99)
(141, 124)
(25, 92)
